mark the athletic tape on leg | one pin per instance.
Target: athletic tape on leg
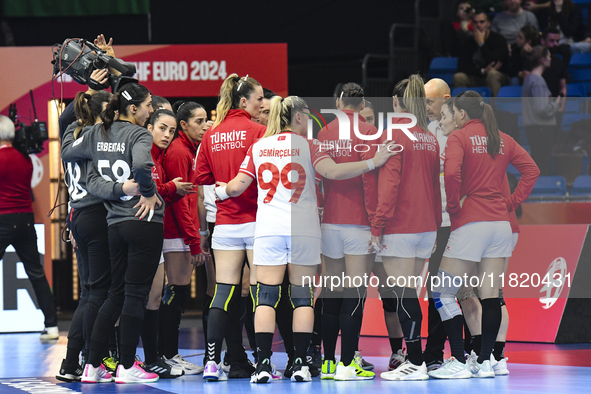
(444, 295)
(301, 296)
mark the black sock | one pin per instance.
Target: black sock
(205, 314)
(491, 321)
(350, 322)
(317, 333)
(150, 336)
(395, 344)
(284, 319)
(330, 325)
(476, 344)
(411, 317)
(301, 341)
(216, 328)
(171, 330)
(264, 344)
(453, 328)
(499, 350)
(469, 340)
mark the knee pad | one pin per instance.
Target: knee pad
(253, 292)
(444, 296)
(353, 302)
(268, 295)
(388, 301)
(301, 296)
(222, 296)
(465, 293)
(502, 297)
(176, 296)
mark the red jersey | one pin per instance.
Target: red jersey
(181, 219)
(470, 171)
(409, 194)
(349, 201)
(15, 178)
(167, 190)
(220, 156)
(512, 216)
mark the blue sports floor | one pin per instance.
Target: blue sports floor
(29, 366)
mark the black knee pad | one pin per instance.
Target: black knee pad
(253, 292)
(502, 297)
(353, 302)
(222, 296)
(388, 302)
(176, 296)
(301, 296)
(267, 295)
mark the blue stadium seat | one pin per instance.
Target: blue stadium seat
(443, 65)
(549, 186)
(484, 91)
(576, 96)
(514, 171)
(581, 186)
(580, 69)
(444, 68)
(510, 91)
(569, 119)
(576, 90)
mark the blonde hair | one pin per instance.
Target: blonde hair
(411, 96)
(232, 90)
(281, 112)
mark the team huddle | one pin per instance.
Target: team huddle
(264, 207)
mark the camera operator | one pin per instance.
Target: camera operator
(17, 222)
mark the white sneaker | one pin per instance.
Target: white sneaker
(352, 372)
(396, 360)
(96, 375)
(500, 367)
(50, 334)
(214, 372)
(301, 373)
(478, 370)
(407, 371)
(188, 367)
(451, 369)
(135, 374)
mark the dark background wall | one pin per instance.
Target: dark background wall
(326, 39)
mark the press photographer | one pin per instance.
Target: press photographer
(17, 222)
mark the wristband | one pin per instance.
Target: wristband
(370, 164)
(220, 192)
(204, 232)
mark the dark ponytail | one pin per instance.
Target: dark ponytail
(88, 107)
(131, 93)
(471, 102)
(184, 111)
(351, 94)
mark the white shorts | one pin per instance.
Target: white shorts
(341, 239)
(233, 236)
(280, 250)
(514, 238)
(161, 258)
(409, 246)
(175, 245)
(477, 240)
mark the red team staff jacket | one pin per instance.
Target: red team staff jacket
(220, 156)
(471, 171)
(409, 194)
(181, 218)
(349, 201)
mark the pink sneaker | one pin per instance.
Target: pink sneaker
(96, 375)
(135, 374)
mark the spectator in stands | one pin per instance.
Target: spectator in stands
(527, 38)
(555, 75)
(567, 17)
(483, 60)
(536, 6)
(455, 34)
(509, 22)
(584, 45)
(539, 109)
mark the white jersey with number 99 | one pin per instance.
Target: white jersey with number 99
(283, 166)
